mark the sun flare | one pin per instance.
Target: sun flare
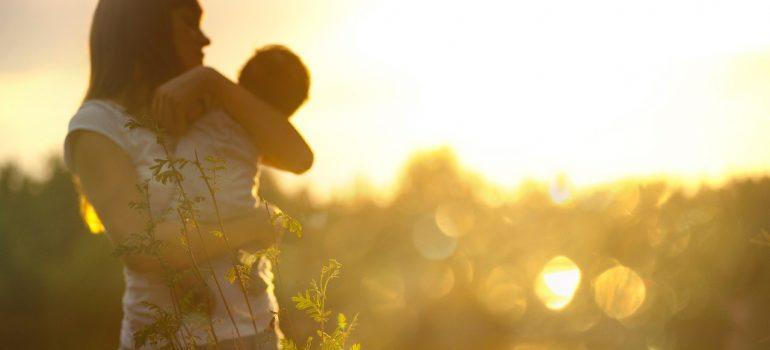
(557, 282)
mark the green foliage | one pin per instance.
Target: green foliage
(133, 124)
(313, 302)
(216, 163)
(338, 337)
(161, 333)
(139, 244)
(165, 170)
(285, 222)
(240, 272)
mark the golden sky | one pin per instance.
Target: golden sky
(597, 90)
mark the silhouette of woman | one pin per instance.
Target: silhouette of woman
(146, 65)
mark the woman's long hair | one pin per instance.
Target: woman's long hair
(132, 53)
(132, 50)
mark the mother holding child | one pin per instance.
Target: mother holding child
(146, 69)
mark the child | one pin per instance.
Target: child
(278, 77)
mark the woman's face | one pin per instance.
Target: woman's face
(189, 40)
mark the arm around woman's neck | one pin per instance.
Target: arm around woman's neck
(271, 131)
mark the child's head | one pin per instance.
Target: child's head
(278, 77)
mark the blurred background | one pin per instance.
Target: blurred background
(491, 175)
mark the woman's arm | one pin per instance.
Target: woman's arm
(275, 137)
(108, 179)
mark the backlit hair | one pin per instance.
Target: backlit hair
(132, 50)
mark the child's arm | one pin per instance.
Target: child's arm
(267, 161)
(270, 131)
(276, 138)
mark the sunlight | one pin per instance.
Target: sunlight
(455, 219)
(619, 292)
(560, 190)
(430, 242)
(557, 283)
(385, 291)
(92, 220)
(519, 89)
(436, 281)
(502, 296)
(522, 90)
(482, 169)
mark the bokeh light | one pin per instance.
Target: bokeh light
(619, 292)
(430, 242)
(455, 219)
(502, 296)
(463, 269)
(557, 282)
(87, 211)
(625, 199)
(560, 190)
(385, 291)
(436, 280)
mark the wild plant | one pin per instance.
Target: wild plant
(193, 305)
(165, 170)
(313, 302)
(167, 324)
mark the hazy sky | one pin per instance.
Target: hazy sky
(593, 89)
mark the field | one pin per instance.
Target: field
(449, 263)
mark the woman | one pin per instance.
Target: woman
(146, 60)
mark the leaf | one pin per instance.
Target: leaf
(214, 159)
(342, 322)
(158, 166)
(294, 226)
(231, 275)
(132, 124)
(287, 222)
(181, 162)
(243, 274)
(286, 344)
(168, 175)
(247, 258)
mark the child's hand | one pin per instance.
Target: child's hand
(180, 101)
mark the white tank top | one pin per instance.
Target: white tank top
(109, 119)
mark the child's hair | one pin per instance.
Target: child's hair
(277, 76)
